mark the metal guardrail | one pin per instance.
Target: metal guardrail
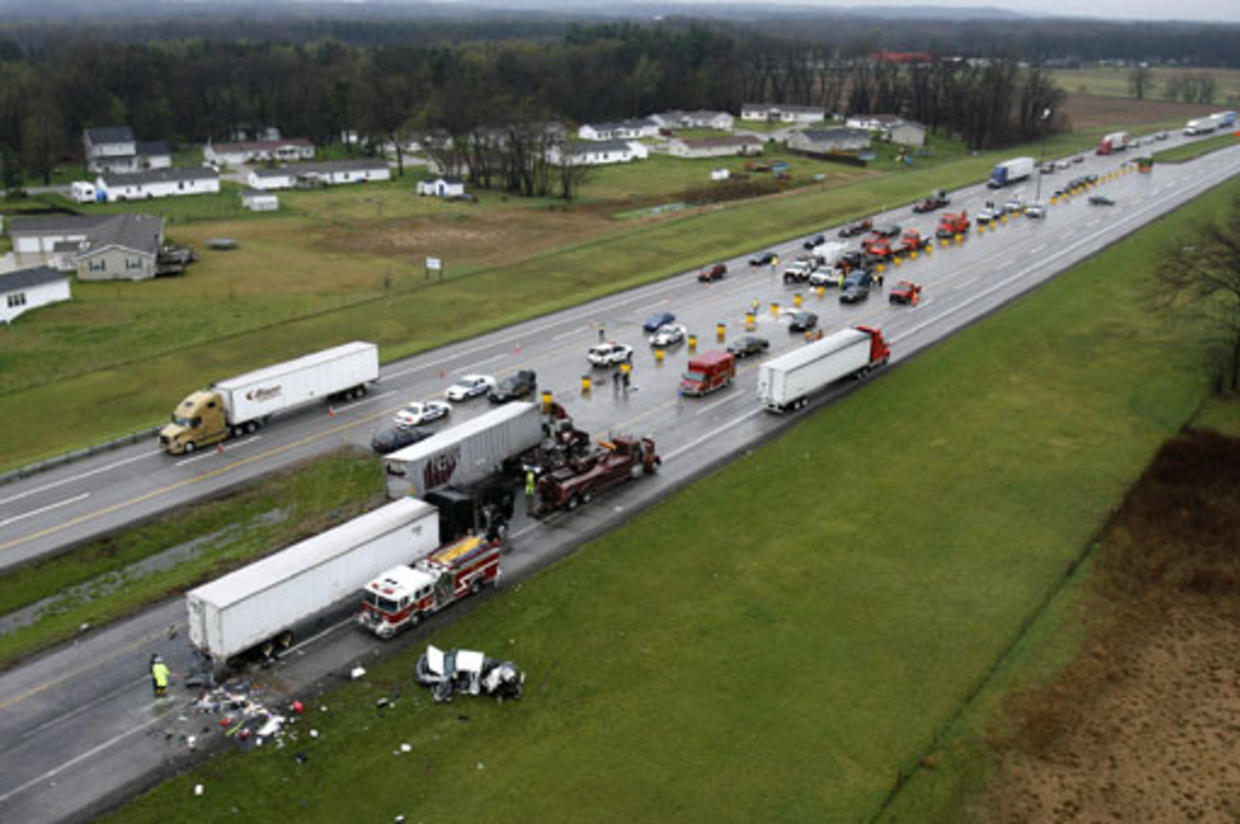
(77, 454)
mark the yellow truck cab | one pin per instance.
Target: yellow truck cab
(199, 420)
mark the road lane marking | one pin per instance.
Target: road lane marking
(318, 635)
(43, 509)
(1037, 249)
(712, 433)
(213, 453)
(365, 401)
(578, 330)
(492, 359)
(116, 739)
(78, 477)
(721, 402)
(82, 708)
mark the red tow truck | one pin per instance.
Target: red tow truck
(609, 463)
(403, 595)
(882, 248)
(952, 224)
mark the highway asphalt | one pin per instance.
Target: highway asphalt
(82, 716)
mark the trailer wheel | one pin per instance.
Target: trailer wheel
(573, 501)
(190, 446)
(285, 639)
(251, 427)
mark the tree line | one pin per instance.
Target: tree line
(188, 91)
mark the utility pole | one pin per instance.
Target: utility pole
(1042, 121)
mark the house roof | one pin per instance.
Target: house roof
(147, 148)
(336, 166)
(836, 134)
(141, 233)
(65, 246)
(279, 171)
(158, 176)
(706, 114)
(579, 147)
(252, 192)
(56, 224)
(711, 142)
(763, 106)
(801, 109)
(258, 145)
(611, 126)
(25, 278)
(98, 135)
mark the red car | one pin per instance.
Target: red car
(905, 292)
(713, 272)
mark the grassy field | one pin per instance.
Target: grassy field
(1188, 151)
(235, 528)
(784, 658)
(1109, 81)
(345, 264)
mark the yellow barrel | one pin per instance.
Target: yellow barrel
(586, 382)
(796, 300)
(750, 320)
(546, 402)
(692, 342)
(721, 331)
(658, 356)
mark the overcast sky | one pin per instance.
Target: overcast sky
(1222, 10)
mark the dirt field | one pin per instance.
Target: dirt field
(1085, 110)
(1145, 725)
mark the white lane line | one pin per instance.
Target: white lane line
(712, 433)
(524, 531)
(721, 402)
(319, 635)
(475, 365)
(652, 307)
(1037, 249)
(365, 401)
(41, 509)
(78, 477)
(126, 688)
(212, 452)
(578, 330)
(100, 748)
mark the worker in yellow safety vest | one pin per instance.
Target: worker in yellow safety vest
(159, 676)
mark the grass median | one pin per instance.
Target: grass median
(783, 639)
(1189, 151)
(106, 579)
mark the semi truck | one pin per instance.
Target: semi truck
(786, 383)
(1201, 125)
(1010, 171)
(1113, 142)
(240, 405)
(258, 607)
(708, 372)
(466, 453)
(402, 596)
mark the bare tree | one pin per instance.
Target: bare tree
(1140, 80)
(1203, 280)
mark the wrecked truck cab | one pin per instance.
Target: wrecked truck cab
(469, 672)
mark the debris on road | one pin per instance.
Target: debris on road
(357, 672)
(468, 671)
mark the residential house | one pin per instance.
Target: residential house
(441, 187)
(96, 247)
(26, 289)
(892, 128)
(333, 172)
(873, 122)
(281, 177)
(620, 130)
(591, 153)
(701, 119)
(114, 149)
(759, 111)
(112, 188)
(257, 151)
(907, 133)
(782, 113)
(829, 141)
(110, 149)
(714, 146)
(258, 200)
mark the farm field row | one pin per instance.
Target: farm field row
(891, 552)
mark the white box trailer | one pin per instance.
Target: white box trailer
(1010, 171)
(468, 452)
(257, 607)
(276, 388)
(786, 382)
(829, 253)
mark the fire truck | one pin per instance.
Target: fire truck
(404, 595)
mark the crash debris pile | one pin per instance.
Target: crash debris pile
(241, 716)
(470, 672)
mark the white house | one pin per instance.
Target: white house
(110, 149)
(907, 133)
(441, 187)
(154, 154)
(156, 183)
(591, 153)
(258, 200)
(701, 119)
(714, 146)
(620, 130)
(332, 172)
(782, 112)
(829, 141)
(282, 177)
(873, 122)
(236, 154)
(27, 289)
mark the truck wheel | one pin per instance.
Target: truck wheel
(587, 496)
(285, 639)
(573, 501)
(251, 427)
(190, 446)
(476, 586)
(415, 618)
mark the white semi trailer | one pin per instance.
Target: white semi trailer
(467, 453)
(788, 381)
(258, 606)
(238, 405)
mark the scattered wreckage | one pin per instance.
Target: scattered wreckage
(470, 672)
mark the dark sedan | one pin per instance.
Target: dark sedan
(513, 387)
(854, 294)
(1100, 200)
(398, 437)
(764, 259)
(748, 345)
(656, 320)
(803, 321)
(814, 242)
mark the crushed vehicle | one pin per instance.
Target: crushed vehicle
(936, 200)
(470, 672)
(906, 291)
(858, 228)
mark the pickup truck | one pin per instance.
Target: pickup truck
(937, 200)
(799, 270)
(513, 387)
